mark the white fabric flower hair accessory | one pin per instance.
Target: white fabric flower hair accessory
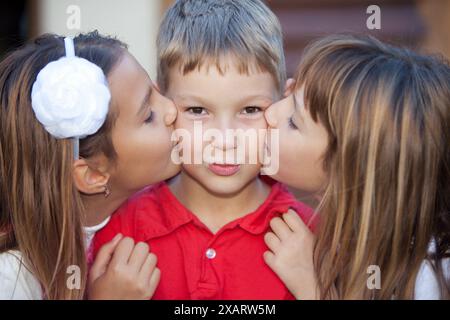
(70, 97)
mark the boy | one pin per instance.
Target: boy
(222, 63)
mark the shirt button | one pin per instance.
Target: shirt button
(210, 253)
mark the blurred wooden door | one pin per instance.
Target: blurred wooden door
(304, 20)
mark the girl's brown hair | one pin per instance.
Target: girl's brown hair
(41, 213)
(387, 113)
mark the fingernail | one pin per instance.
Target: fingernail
(117, 237)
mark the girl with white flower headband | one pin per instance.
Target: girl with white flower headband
(82, 129)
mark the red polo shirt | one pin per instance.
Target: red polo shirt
(195, 263)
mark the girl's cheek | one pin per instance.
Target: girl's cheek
(287, 140)
(164, 139)
(286, 151)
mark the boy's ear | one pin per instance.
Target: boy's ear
(289, 87)
(88, 179)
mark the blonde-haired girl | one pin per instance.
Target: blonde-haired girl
(366, 127)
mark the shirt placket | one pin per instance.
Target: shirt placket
(208, 286)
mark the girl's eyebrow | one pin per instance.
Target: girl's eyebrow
(145, 101)
(295, 102)
(297, 109)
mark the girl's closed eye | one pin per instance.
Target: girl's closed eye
(149, 119)
(292, 124)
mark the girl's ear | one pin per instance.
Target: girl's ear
(289, 88)
(89, 180)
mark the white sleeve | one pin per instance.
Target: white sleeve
(16, 281)
(427, 285)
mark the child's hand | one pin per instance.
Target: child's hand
(291, 254)
(123, 271)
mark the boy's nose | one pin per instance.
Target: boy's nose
(225, 141)
(271, 116)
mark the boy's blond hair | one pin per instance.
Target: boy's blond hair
(195, 32)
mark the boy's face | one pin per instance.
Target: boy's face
(217, 103)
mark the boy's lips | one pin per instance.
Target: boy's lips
(224, 169)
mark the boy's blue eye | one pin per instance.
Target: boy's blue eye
(150, 118)
(292, 125)
(252, 110)
(196, 110)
